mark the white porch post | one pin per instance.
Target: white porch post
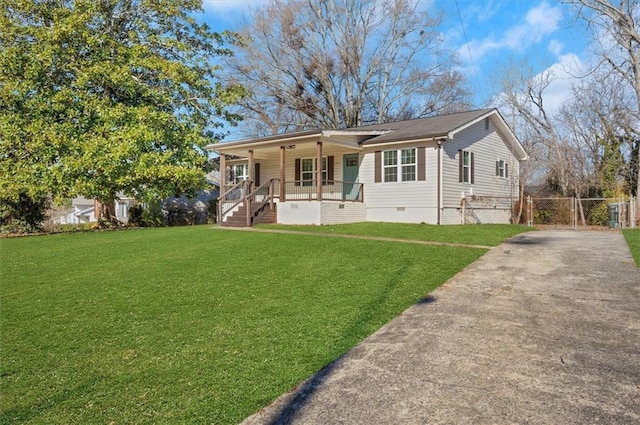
(319, 173)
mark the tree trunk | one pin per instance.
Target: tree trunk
(107, 213)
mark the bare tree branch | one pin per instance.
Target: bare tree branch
(344, 63)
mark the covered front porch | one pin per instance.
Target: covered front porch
(291, 179)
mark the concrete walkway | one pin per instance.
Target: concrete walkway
(544, 329)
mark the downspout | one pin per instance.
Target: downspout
(439, 191)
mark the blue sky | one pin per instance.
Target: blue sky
(485, 33)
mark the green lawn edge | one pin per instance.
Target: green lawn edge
(632, 236)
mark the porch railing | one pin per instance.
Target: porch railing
(232, 197)
(255, 200)
(244, 194)
(259, 199)
(332, 190)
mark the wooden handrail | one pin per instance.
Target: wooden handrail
(267, 199)
(223, 209)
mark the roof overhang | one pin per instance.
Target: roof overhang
(265, 146)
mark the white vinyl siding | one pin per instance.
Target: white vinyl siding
(413, 201)
(487, 148)
(270, 167)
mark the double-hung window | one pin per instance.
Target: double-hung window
(502, 169)
(466, 167)
(399, 165)
(240, 172)
(308, 169)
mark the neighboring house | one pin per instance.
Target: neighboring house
(185, 210)
(85, 210)
(428, 170)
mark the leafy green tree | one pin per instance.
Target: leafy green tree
(101, 97)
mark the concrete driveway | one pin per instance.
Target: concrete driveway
(544, 329)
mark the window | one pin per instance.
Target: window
(408, 164)
(309, 168)
(405, 168)
(502, 169)
(466, 167)
(390, 165)
(240, 172)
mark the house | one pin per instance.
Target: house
(191, 210)
(85, 210)
(447, 169)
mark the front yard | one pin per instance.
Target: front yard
(194, 324)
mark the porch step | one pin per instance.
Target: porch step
(239, 217)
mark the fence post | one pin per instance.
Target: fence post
(574, 217)
(529, 211)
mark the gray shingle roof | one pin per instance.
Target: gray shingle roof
(422, 128)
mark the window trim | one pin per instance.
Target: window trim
(238, 177)
(314, 170)
(392, 167)
(463, 165)
(399, 166)
(502, 169)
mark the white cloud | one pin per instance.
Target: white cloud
(481, 12)
(543, 19)
(539, 21)
(229, 11)
(566, 71)
(555, 47)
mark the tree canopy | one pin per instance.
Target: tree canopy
(106, 97)
(343, 63)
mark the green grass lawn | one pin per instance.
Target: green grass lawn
(193, 324)
(632, 237)
(472, 234)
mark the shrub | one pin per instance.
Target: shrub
(135, 216)
(23, 215)
(146, 215)
(600, 214)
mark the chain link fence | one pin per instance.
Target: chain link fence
(579, 212)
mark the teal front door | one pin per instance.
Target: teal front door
(350, 176)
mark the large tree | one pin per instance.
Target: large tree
(101, 97)
(343, 63)
(523, 92)
(617, 33)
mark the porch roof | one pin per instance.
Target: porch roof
(350, 138)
